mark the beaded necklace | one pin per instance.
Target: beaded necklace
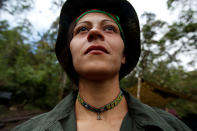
(99, 110)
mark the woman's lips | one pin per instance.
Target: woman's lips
(96, 49)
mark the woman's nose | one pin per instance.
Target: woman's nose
(95, 34)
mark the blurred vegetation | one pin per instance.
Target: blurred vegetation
(29, 69)
(17, 6)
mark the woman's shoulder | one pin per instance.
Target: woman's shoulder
(49, 119)
(147, 116)
(175, 122)
(32, 124)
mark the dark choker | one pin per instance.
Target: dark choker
(99, 110)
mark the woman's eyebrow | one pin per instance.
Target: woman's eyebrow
(84, 22)
(102, 21)
(106, 20)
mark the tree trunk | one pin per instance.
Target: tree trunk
(139, 86)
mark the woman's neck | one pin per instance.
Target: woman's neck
(99, 93)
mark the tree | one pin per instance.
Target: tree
(152, 47)
(183, 30)
(162, 50)
(164, 43)
(16, 7)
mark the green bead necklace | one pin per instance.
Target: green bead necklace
(100, 110)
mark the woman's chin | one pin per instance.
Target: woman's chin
(97, 71)
(98, 75)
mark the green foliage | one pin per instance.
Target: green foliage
(129, 80)
(170, 3)
(31, 74)
(17, 6)
(192, 27)
(173, 34)
(57, 3)
(2, 3)
(183, 107)
(162, 44)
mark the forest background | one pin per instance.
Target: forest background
(30, 71)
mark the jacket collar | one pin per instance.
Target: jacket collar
(144, 115)
(61, 111)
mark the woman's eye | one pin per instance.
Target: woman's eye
(110, 28)
(82, 29)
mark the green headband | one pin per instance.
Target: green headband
(115, 18)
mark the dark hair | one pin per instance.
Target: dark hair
(66, 57)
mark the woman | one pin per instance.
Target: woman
(98, 44)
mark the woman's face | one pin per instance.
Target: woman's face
(97, 47)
